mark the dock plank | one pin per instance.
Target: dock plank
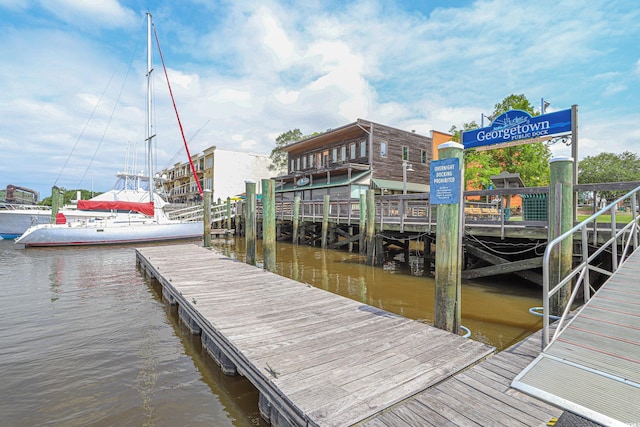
(480, 395)
(319, 359)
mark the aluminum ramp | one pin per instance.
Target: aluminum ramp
(593, 367)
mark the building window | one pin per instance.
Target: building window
(304, 162)
(363, 148)
(319, 160)
(423, 157)
(343, 153)
(335, 155)
(383, 149)
(352, 150)
(310, 160)
(405, 153)
(298, 163)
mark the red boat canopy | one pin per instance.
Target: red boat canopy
(106, 205)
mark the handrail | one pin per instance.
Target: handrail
(581, 271)
(195, 212)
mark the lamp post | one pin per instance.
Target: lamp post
(405, 167)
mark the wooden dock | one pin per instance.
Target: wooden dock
(317, 359)
(479, 396)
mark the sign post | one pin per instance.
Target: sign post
(446, 189)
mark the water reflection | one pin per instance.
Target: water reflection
(496, 311)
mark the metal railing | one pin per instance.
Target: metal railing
(15, 206)
(626, 237)
(195, 213)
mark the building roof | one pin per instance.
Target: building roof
(352, 130)
(389, 184)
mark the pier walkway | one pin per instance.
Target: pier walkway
(479, 396)
(593, 366)
(316, 358)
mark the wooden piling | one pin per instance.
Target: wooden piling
(228, 215)
(325, 221)
(218, 222)
(560, 221)
(250, 222)
(240, 208)
(371, 227)
(362, 228)
(57, 201)
(448, 257)
(269, 224)
(296, 220)
(207, 217)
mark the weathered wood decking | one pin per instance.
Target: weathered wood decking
(479, 396)
(316, 358)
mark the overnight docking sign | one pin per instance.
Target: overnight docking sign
(516, 127)
(444, 182)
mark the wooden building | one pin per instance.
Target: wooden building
(346, 161)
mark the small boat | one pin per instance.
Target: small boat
(121, 215)
(19, 211)
(15, 219)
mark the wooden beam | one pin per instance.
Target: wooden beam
(531, 276)
(503, 268)
(349, 239)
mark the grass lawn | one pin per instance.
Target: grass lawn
(621, 217)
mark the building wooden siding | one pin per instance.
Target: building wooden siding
(390, 167)
(384, 167)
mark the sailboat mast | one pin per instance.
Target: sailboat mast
(150, 135)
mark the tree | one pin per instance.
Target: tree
(279, 157)
(71, 195)
(531, 160)
(609, 167)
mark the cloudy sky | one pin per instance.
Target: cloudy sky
(242, 72)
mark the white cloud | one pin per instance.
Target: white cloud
(287, 96)
(106, 13)
(248, 145)
(238, 97)
(246, 72)
(273, 35)
(614, 88)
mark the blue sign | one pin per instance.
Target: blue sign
(518, 127)
(444, 182)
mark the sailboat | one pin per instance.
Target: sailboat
(127, 216)
(16, 218)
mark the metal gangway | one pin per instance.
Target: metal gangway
(590, 365)
(219, 212)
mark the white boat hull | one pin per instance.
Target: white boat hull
(77, 235)
(14, 222)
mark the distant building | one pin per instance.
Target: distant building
(222, 171)
(346, 161)
(19, 195)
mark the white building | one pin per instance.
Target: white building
(221, 170)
